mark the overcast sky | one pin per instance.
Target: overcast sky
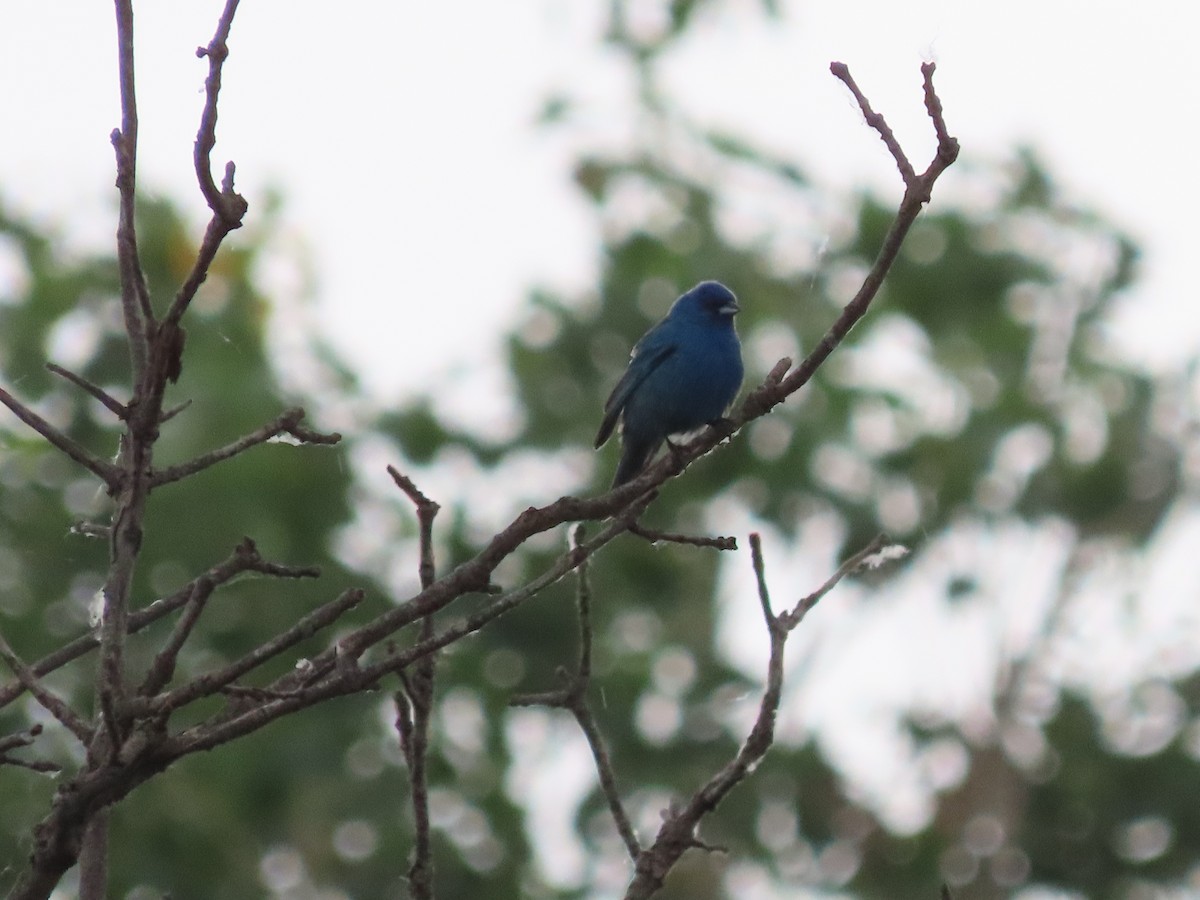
(402, 134)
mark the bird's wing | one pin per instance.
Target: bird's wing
(654, 347)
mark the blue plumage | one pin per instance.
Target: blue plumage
(683, 374)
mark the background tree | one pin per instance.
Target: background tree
(974, 415)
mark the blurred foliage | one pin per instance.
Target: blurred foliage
(980, 386)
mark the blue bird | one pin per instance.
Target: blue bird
(683, 374)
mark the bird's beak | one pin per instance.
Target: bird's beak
(729, 309)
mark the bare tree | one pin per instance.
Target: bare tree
(135, 736)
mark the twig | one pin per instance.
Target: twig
(574, 699)
(206, 138)
(288, 422)
(792, 618)
(105, 471)
(175, 410)
(414, 703)
(228, 207)
(426, 511)
(18, 741)
(214, 682)
(244, 559)
(109, 402)
(49, 701)
(842, 72)
(677, 833)
(135, 294)
(324, 679)
(669, 537)
(37, 765)
(162, 668)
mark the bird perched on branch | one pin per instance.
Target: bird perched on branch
(682, 375)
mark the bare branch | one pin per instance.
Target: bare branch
(793, 617)
(760, 576)
(171, 413)
(677, 833)
(206, 138)
(43, 766)
(414, 703)
(18, 741)
(162, 668)
(669, 537)
(933, 106)
(244, 559)
(426, 510)
(135, 295)
(574, 699)
(110, 403)
(214, 682)
(49, 701)
(228, 207)
(842, 72)
(105, 471)
(288, 422)
(333, 673)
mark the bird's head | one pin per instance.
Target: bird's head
(709, 301)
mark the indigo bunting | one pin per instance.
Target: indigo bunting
(683, 374)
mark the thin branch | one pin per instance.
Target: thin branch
(19, 741)
(863, 557)
(426, 511)
(842, 72)
(330, 674)
(933, 106)
(228, 207)
(43, 766)
(105, 471)
(171, 413)
(669, 537)
(214, 682)
(206, 138)
(574, 699)
(678, 831)
(162, 668)
(49, 701)
(414, 703)
(288, 422)
(135, 294)
(760, 576)
(113, 405)
(244, 559)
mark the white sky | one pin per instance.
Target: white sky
(402, 133)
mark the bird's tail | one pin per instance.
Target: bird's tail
(634, 456)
